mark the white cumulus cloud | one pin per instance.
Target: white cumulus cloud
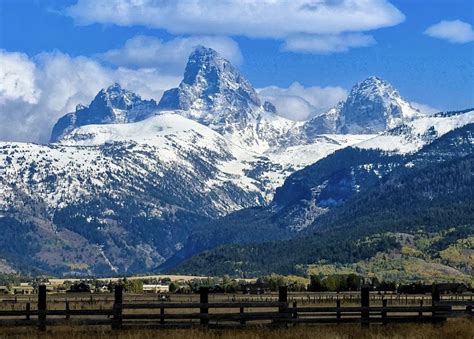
(169, 57)
(301, 103)
(282, 20)
(324, 44)
(17, 78)
(456, 31)
(49, 85)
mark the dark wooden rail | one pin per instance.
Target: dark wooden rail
(205, 313)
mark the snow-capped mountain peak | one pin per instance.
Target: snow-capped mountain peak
(213, 90)
(115, 96)
(112, 105)
(374, 106)
(374, 86)
(214, 93)
(211, 73)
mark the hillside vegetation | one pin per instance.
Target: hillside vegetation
(432, 205)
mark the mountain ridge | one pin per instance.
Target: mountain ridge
(129, 183)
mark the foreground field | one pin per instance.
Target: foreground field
(457, 328)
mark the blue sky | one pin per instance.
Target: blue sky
(83, 41)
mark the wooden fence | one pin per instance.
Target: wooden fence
(217, 314)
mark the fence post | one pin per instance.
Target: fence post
(118, 307)
(384, 311)
(435, 298)
(420, 312)
(42, 308)
(162, 315)
(282, 298)
(28, 308)
(68, 315)
(435, 294)
(338, 312)
(365, 303)
(242, 320)
(204, 299)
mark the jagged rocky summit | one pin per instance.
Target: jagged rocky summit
(373, 106)
(113, 105)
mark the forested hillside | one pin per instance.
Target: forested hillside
(430, 197)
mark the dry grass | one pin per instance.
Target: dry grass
(457, 328)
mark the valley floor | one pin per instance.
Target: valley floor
(456, 328)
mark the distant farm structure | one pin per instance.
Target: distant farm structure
(155, 288)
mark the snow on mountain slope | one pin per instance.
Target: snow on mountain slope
(135, 200)
(124, 158)
(300, 156)
(412, 136)
(170, 133)
(173, 137)
(56, 172)
(148, 131)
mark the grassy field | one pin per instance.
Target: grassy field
(457, 328)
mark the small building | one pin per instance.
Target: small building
(23, 289)
(156, 288)
(256, 288)
(79, 288)
(4, 290)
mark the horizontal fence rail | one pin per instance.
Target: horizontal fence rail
(123, 312)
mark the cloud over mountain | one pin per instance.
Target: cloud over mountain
(168, 56)
(331, 25)
(17, 78)
(35, 92)
(298, 102)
